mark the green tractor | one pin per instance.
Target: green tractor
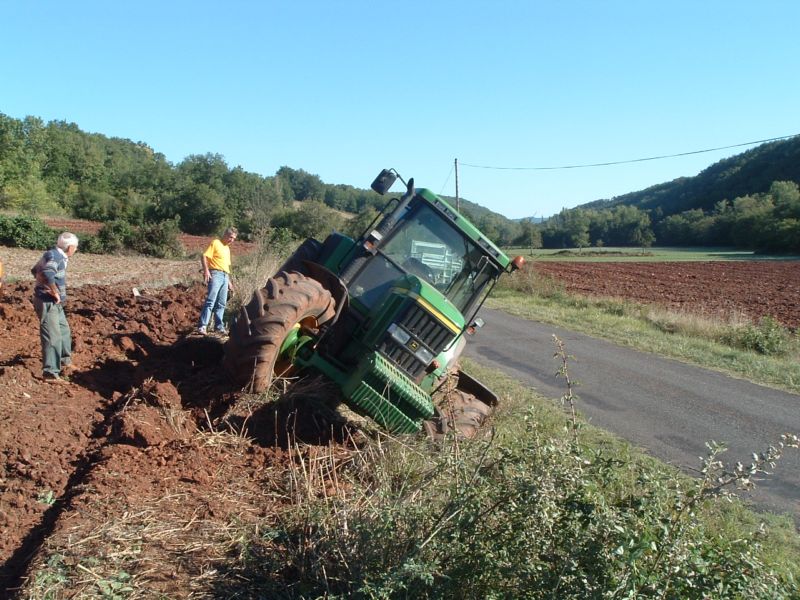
(385, 317)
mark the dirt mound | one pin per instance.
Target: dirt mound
(150, 451)
(152, 416)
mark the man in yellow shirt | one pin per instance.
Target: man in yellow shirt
(216, 261)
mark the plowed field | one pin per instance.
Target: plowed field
(137, 465)
(725, 288)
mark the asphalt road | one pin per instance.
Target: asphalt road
(664, 406)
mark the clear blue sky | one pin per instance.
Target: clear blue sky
(342, 89)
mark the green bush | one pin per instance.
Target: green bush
(158, 239)
(116, 236)
(528, 517)
(25, 231)
(767, 337)
(91, 244)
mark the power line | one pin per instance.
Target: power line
(622, 162)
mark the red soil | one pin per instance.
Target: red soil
(124, 432)
(725, 288)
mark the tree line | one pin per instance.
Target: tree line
(55, 168)
(768, 221)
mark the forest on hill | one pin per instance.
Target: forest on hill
(55, 168)
(750, 200)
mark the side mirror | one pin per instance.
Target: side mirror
(384, 181)
(474, 326)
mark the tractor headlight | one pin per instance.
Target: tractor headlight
(424, 355)
(399, 335)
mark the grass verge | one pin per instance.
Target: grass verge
(543, 506)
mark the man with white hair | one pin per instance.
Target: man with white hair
(49, 296)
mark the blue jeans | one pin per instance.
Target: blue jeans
(54, 334)
(216, 299)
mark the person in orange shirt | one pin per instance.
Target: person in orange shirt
(216, 261)
(1, 274)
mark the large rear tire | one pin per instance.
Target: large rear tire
(309, 250)
(286, 302)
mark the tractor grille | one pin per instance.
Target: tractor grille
(426, 330)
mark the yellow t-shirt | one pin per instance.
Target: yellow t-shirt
(218, 256)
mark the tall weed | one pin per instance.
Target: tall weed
(252, 272)
(766, 337)
(525, 513)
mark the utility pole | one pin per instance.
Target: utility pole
(458, 202)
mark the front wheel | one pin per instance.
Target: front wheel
(289, 305)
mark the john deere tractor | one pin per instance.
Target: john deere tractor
(385, 316)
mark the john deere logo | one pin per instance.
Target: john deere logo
(413, 345)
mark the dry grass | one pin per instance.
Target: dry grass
(250, 273)
(697, 324)
(103, 269)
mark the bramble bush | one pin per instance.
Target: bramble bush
(25, 231)
(158, 239)
(533, 512)
(151, 239)
(767, 337)
(115, 236)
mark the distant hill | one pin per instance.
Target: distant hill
(751, 172)
(749, 201)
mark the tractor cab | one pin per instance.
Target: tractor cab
(427, 245)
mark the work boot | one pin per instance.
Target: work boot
(54, 378)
